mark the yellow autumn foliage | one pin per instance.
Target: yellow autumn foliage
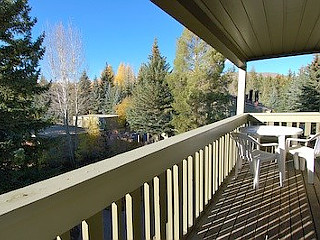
(91, 146)
(119, 79)
(121, 109)
(93, 127)
(125, 75)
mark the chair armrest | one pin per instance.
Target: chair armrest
(266, 144)
(297, 140)
(269, 144)
(288, 140)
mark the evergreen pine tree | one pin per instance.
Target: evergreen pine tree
(286, 104)
(273, 98)
(293, 92)
(85, 104)
(198, 86)
(96, 96)
(112, 97)
(310, 91)
(43, 100)
(101, 88)
(19, 61)
(107, 76)
(150, 110)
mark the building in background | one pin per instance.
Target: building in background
(106, 122)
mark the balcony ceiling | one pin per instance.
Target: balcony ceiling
(246, 30)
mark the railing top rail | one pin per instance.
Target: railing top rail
(62, 201)
(288, 117)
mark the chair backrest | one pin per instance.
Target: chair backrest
(235, 137)
(245, 144)
(317, 144)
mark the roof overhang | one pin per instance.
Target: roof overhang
(251, 29)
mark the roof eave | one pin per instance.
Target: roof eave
(202, 27)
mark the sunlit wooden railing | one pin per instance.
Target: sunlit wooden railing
(308, 121)
(154, 192)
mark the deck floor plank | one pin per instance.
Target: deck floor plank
(271, 212)
(313, 203)
(295, 210)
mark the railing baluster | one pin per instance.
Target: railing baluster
(227, 156)
(230, 152)
(231, 158)
(184, 196)
(114, 221)
(225, 164)
(206, 174)
(176, 202)
(225, 152)
(129, 225)
(146, 193)
(214, 167)
(85, 230)
(307, 129)
(210, 173)
(217, 159)
(156, 192)
(190, 191)
(180, 192)
(235, 153)
(169, 234)
(317, 127)
(197, 183)
(225, 167)
(201, 181)
(220, 167)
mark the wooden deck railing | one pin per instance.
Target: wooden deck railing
(308, 121)
(154, 192)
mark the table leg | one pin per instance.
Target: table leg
(282, 158)
(259, 141)
(296, 162)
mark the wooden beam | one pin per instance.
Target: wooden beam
(241, 91)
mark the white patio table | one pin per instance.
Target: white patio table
(278, 131)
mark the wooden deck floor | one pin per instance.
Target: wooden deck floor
(271, 212)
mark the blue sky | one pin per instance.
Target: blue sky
(124, 30)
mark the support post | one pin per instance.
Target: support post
(241, 91)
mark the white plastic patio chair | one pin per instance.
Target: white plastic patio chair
(306, 153)
(248, 151)
(266, 142)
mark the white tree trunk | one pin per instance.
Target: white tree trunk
(65, 60)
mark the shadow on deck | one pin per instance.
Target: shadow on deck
(271, 212)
